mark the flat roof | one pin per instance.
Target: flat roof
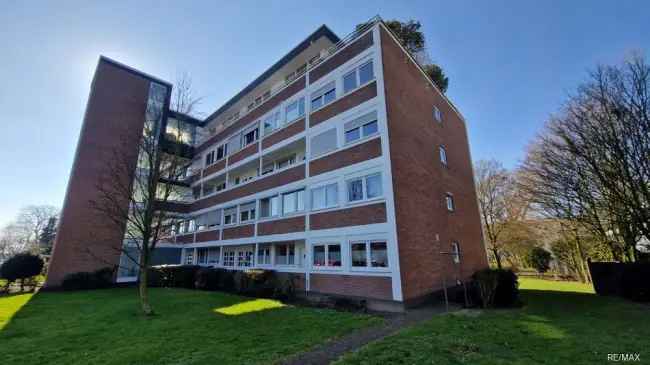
(322, 31)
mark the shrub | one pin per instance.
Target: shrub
(635, 281)
(21, 266)
(207, 279)
(497, 287)
(540, 259)
(172, 276)
(98, 279)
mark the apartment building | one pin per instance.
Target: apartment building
(342, 163)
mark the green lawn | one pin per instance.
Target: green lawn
(561, 323)
(192, 327)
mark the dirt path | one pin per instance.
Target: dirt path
(332, 350)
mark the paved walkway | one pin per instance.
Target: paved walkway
(332, 350)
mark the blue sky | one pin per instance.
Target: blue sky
(510, 64)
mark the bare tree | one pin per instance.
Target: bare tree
(591, 164)
(23, 234)
(136, 203)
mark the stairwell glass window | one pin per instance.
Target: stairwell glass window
(247, 212)
(357, 77)
(295, 110)
(369, 254)
(324, 196)
(361, 128)
(323, 96)
(230, 215)
(455, 252)
(293, 202)
(364, 188)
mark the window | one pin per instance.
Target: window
(247, 212)
(268, 168)
(234, 143)
(285, 254)
(362, 127)
(324, 196)
(443, 156)
(366, 187)
(189, 256)
(327, 255)
(209, 158)
(369, 254)
(350, 81)
(245, 258)
(272, 121)
(222, 151)
(251, 136)
(323, 142)
(358, 76)
(286, 161)
(269, 207)
(437, 114)
(450, 202)
(455, 252)
(202, 256)
(230, 216)
(293, 201)
(213, 255)
(264, 254)
(208, 220)
(323, 96)
(295, 110)
(229, 258)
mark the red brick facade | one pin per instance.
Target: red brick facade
(424, 226)
(243, 153)
(86, 241)
(340, 58)
(349, 156)
(376, 287)
(349, 101)
(357, 216)
(284, 133)
(239, 232)
(279, 226)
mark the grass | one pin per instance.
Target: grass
(561, 323)
(191, 327)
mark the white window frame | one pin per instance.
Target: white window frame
(291, 102)
(324, 188)
(320, 94)
(357, 76)
(209, 156)
(229, 255)
(253, 210)
(368, 251)
(289, 246)
(364, 186)
(327, 266)
(236, 215)
(269, 247)
(297, 205)
(279, 204)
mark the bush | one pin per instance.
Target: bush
(21, 266)
(98, 279)
(172, 276)
(207, 279)
(497, 287)
(635, 281)
(540, 259)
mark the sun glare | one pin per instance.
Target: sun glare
(249, 307)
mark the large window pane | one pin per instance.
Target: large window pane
(350, 81)
(318, 200)
(334, 255)
(373, 185)
(319, 255)
(370, 128)
(332, 195)
(269, 207)
(323, 142)
(366, 73)
(352, 135)
(378, 254)
(355, 190)
(288, 203)
(329, 96)
(359, 255)
(264, 254)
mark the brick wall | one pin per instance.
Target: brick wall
(347, 102)
(420, 181)
(356, 216)
(377, 287)
(340, 58)
(284, 133)
(239, 232)
(86, 241)
(288, 225)
(349, 156)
